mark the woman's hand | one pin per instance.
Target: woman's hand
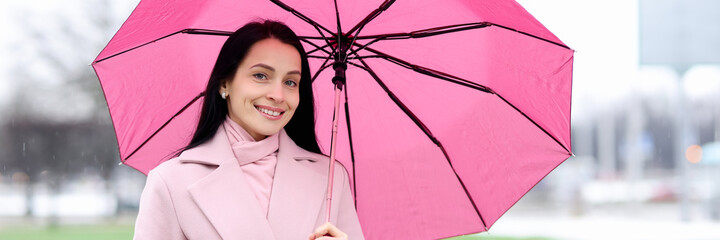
(327, 231)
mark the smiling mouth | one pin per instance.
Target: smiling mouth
(272, 113)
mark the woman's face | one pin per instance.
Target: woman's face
(264, 93)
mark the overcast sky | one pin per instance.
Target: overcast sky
(18, 46)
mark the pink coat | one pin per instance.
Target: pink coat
(202, 194)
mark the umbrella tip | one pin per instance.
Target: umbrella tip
(572, 154)
(120, 163)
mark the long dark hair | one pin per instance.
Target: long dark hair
(301, 127)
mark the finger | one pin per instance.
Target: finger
(319, 232)
(335, 232)
(331, 230)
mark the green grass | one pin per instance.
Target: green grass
(81, 232)
(491, 237)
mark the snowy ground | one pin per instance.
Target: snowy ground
(620, 221)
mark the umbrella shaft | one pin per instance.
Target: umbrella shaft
(333, 143)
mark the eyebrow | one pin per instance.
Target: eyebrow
(262, 65)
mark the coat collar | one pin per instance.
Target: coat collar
(217, 150)
(298, 191)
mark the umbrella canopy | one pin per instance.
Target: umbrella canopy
(452, 110)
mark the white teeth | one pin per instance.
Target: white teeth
(268, 112)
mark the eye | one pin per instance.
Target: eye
(291, 83)
(260, 76)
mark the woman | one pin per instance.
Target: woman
(253, 169)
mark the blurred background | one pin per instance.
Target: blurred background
(645, 124)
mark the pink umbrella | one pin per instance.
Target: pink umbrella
(450, 111)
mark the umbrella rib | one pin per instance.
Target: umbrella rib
(165, 124)
(199, 31)
(443, 30)
(384, 6)
(314, 56)
(451, 29)
(195, 31)
(187, 30)
(317, 48)
(427, 132)
(533, 36)
(306, 19)
(324, 66)
(460, 81)
(299, 15)
(431, 72)
(365, 57)
(311, 37)
(533, 121)
(357, 65)
(422, 33)
(192, 31)
(430, 31)
(216, 33)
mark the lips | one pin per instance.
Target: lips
(270, 112)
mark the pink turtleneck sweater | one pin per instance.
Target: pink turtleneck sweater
(257, 160)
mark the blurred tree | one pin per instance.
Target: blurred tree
(58, 123)
(54, 152)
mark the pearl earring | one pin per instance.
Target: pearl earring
(223, 95)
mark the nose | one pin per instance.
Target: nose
(276, 92)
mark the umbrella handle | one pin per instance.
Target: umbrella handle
(333, 141)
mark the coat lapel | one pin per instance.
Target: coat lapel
(223, 195)
(298, 191)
